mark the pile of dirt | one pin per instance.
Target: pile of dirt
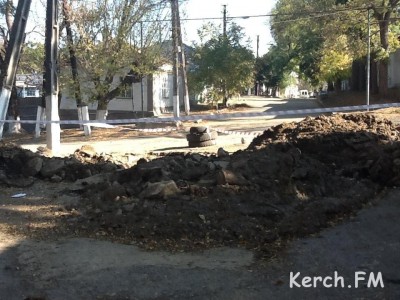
(292, 181)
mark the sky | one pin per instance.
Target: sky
(235, 8)
(198, 9)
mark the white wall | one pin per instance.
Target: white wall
(292, 91)
(124, 104)
(134, 104)
(160, 104)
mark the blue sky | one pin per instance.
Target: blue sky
(213, 8)
(199, 9)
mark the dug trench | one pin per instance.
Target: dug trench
(292, 181)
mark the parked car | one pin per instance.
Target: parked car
(304, 94)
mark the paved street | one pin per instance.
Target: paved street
(177, 142)
(261, 104)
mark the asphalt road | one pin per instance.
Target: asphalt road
(255, 104)
(79, 268)
(177, 142)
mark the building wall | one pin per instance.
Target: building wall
(394, 70)
(124, 104)
(157, 89)
(135, 103)
(162, 93)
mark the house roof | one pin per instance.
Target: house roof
(166, 48)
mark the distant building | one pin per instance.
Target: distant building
(156, 99)
(292, 90)
(29, 86)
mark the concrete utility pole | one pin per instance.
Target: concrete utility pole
(257, 86)
(51, 77)
(224, 21)
(13, 52)
(182, 62)
(175, 59)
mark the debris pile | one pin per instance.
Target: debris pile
(293, 180)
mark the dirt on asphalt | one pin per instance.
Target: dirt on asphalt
(292, 181)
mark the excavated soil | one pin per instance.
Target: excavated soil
(292, 181)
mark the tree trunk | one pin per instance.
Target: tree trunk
(338, 86)
(13, 112)
(72, 55)
(9, 14)
(331, 86)
(383, 19)
(101, 114)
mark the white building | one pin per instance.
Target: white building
(156, 98)
(29, 86)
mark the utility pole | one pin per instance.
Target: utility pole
(258, 44)
(13, 52)
(257, 87)
(182, 63)
(224, 21)
(51, 77)
(175, 59)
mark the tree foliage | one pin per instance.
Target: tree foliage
(108, 44)
(323, 37)
(272, 69)
(222, 64)
(32, 57)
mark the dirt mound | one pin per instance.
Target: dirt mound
(293, 180)
(354, 145)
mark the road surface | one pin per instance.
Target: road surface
(177, 142)
(77, 268)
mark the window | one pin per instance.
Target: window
(165, 87)
(126, 91)
(30, 92)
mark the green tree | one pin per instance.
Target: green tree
(32, 58)
(385, 16)
(108, 42)
(272, 69)
(297, 33)
(222, 64)
(325, 36)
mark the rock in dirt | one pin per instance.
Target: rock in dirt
(99, 179)
(222, 153)
(163, 189)
(33, 166)
(52, 167)
(86, 150)
(229, 177)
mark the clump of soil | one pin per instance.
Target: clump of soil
(293, 180)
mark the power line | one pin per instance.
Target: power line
(299, 13)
